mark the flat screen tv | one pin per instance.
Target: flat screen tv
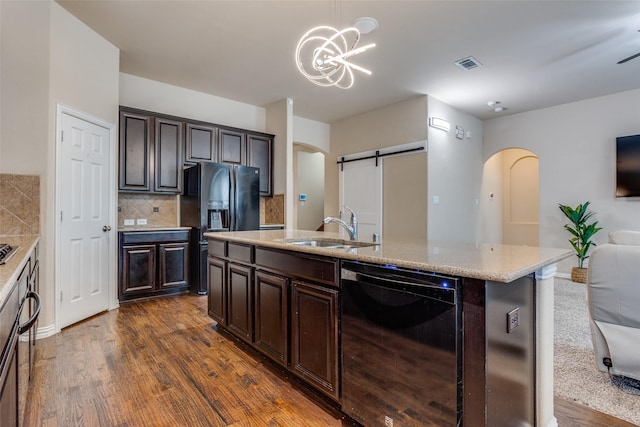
(628, 166)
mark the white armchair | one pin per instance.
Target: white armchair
(614, 304)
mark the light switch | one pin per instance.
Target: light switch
(436, 200)
(141, 221)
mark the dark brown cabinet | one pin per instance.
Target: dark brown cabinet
(201, 143)
(232, 146)
(260, 155)
(239, 296)
(314, 336)
(155, 147)
(217, 290)
(153, 263)
(271, 299)
(282, 303)
(150, 153)
(136, 151)
(168, 156)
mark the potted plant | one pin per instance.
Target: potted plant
(582, 234)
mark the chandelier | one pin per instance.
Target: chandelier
(322, 53)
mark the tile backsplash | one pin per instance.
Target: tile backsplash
(19, 204)
(273, 209)
(141, 206)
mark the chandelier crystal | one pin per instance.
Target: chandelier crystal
(322, 53)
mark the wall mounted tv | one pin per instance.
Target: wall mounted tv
(628, 166)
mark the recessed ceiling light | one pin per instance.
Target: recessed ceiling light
(493, 103)
(366, 24)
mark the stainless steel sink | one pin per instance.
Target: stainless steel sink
(331, 243)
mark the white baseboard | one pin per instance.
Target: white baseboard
(45, 332)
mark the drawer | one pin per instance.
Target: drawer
(161, 236)
(240, 252)
(323, 270)
(217, 248)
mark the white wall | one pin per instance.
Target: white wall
(312, 133)
(138, 92)
(310, 181)
(455, 173)
(49, 57)
(396, 124)
(25, 86)
(576, 146)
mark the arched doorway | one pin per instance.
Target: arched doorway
(511, 178)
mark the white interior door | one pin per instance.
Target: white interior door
(361, 190)
(85, 235)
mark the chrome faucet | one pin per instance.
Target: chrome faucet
(352, 227)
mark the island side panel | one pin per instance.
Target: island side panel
(474, 372)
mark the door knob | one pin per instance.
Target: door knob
(106, 228)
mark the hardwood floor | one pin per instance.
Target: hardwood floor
(162, 363)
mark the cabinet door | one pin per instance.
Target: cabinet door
(173, 270)
(260, 154)
(232, 147)
(201, 144)
(168, 156)
(271, 315)
(138, 269)
(314, 340)
(240, 312)
(135, 152)
(217, 291)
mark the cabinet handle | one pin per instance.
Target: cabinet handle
(29, 323)
(106, 228)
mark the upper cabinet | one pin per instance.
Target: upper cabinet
(232, 147)
(155, 147)
(168, 155)
(136, 151)
(201, 143)
(260, 155)
(150, 153)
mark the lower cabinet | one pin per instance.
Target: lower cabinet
(217, 290)
(239, 294)
(271, 314)
(273, 304)
(314, 336)
(153, 263)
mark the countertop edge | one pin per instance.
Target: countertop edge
(14, 267)
(358, 255)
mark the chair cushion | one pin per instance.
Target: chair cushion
(625, 237)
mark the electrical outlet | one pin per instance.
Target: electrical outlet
(156, 209)
(129, 222)
(141, 221)
(513, 319)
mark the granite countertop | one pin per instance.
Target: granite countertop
(496, 262)
(10, 271)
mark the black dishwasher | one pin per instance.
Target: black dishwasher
(401, 346)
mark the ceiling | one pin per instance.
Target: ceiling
(534, 54)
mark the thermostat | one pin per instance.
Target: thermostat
(302, 197)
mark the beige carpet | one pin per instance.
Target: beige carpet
(576, 375)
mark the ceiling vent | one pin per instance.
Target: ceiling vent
(468, 63)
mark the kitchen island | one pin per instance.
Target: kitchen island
(505, 357)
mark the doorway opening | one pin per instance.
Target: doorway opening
(511, 186)
(308, 187)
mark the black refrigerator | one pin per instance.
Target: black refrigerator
(217, 197)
